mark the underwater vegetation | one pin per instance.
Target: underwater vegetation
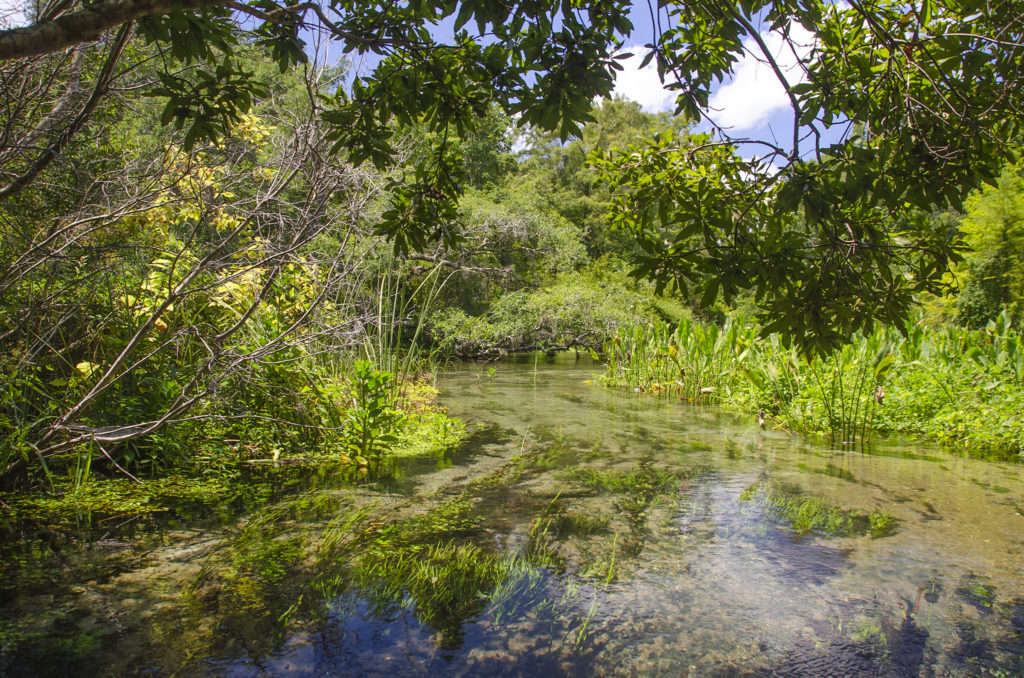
(561, 549)
(635, 490)
(804, 513)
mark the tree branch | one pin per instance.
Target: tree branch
(87, 24)
(756, 36)
(55, 148)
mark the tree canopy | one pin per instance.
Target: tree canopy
(898, 108)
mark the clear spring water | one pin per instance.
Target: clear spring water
(625, 535)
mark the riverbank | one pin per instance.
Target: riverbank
(963, 389)
(228, 468)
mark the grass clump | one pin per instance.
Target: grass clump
(445, 582)
(446, 521)
(430, 564)
(643, 478)
(636, 491)
(579, 524)
(806, 514)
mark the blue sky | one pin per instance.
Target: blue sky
(751, 104)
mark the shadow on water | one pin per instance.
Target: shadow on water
(900, 655)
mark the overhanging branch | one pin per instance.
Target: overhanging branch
(87, 24)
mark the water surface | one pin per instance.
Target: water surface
(579, 531)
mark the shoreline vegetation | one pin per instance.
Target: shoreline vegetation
(959, 387)
(963, 388)
(385, 421)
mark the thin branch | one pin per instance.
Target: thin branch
(55, 148)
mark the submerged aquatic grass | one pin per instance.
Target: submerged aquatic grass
(572, 523)
(643, 478)
(805, 514)
(446, 583)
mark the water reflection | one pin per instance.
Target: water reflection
(580, 531)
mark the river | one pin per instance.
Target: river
(578, 531)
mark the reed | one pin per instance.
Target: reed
(695, 361)
(935, 381)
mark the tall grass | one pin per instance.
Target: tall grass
(695, 361)
(942, 382)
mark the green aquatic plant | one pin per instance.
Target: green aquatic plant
(428, 433)
(869, 630)
(372, 418)
(259, 565)
(635, 490)
(428, 563)
(881, 523)
(850, 384)
(693, 360)
(432, 562)
(805, 513)
(952, 384)
(572, 523)
(445, 582)
(445, 521)
(522, 589)
(977, 593)
(603, 568)
(73, 501)
(644, 478)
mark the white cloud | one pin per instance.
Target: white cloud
(755, 93)
(642, 85)
(744, 102)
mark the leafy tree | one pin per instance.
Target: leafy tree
(925, 97)
(984, 294)
(568, 181)
(993, 229)
(175, 287)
